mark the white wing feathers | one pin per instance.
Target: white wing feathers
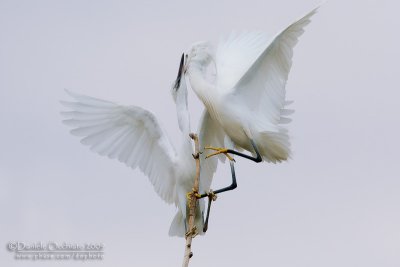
(262, 85)
(128, 133)
(210, 134)
(235, 55)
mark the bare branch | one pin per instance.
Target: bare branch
(192, 204)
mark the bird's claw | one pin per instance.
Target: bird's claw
(212, 195)
(193, 232)
(219, 150)
(191, 193)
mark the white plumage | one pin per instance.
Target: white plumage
(133, 136)
(245, 108)
(247, 99)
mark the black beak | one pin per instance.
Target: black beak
(178, 78)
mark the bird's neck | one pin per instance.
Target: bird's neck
(184, 120)
(204, 90)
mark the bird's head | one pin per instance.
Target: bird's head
(199, 53)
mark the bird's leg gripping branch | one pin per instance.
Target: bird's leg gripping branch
(212, 195)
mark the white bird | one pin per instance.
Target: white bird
(133, 136)
(246, 98)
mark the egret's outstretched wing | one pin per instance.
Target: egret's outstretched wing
(210, 134)
(262, 87)
(235, 55)
(128, 133)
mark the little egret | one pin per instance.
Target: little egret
(246, 100)
(133, 136)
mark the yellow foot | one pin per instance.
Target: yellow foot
(190, 194)
(193, 232)
(219, 150)
(212, 195)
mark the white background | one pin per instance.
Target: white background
(335, 203)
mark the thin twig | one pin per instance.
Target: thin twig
(192, 204)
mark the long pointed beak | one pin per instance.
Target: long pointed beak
(179, 77)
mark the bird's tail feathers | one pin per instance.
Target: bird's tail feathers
(274, 146)
(177, 227)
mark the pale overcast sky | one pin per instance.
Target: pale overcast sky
(335, 203)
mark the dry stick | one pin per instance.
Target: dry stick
(192, 204)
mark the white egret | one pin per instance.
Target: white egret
(133, 136)
(246, 100)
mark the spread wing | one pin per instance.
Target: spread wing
(263, 85)
(235, 55)
(127, 133)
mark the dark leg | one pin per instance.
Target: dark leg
(205, 227)
(212, 195)
(231, 151)
(231, 187)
